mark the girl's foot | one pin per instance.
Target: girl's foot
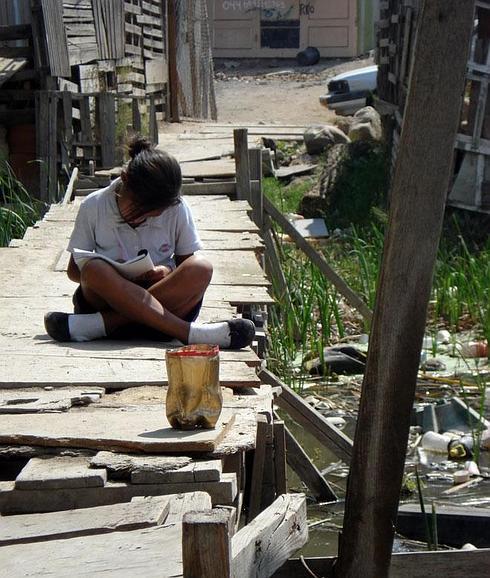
(232, 334)
(66, 327)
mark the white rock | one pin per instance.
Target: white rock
(366, 125)
(321, 137)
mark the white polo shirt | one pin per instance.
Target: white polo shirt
(99, 227)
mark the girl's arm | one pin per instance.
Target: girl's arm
(73, 271)
(179, 259)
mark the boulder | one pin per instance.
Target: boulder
(320, 138)
(366, 125)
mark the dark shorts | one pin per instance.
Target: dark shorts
(136, 331)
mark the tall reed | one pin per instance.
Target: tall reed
(17, 209)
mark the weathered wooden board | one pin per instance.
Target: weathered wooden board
(152, 552)
(33, 370)
(157, 469)
(34, 400)
(236, 268)
(144, 429)
(14, 501)
(52, 473)
(204, 169)
(143, 513)
(237, 295)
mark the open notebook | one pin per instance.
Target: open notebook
(130, 269)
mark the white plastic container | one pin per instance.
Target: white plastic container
(435, 442)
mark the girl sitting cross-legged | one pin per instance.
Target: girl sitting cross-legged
(142, 209)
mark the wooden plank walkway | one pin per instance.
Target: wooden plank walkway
(33, 359)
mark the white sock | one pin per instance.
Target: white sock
(86, 327)
(210, 334)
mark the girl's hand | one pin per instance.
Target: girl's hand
(151, 277)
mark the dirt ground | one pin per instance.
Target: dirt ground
(276, 91)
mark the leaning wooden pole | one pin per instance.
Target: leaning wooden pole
(419, 188)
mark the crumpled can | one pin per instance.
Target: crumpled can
(194, 397)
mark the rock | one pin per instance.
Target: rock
(319, 138)
(343, 123)
(366, 125)
(433, 364)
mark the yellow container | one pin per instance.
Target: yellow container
(194, 396)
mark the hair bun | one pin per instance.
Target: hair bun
(138, 144)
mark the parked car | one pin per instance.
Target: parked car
(350, 91)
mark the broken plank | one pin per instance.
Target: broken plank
(52, 473)
(149, 511)
(145, 429)
(261, 547)
(14, 501)
(153, 553)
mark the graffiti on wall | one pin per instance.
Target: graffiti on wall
(306, 8)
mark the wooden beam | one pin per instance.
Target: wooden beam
(242, 164)
(306, 470)
(449, 563)
(280, 470)
(262, 546)
(173, 75)
(418, 197)
(319, 260)
(70, 189)
(308, 417)
(206, 545)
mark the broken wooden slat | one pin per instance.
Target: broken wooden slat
(149, 511)
(261, 547)
(14, 501)
(149, 552)
(58, 472)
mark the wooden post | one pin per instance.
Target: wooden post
(260, 491)
(107, 128)
(173, 75)
(255, 159)
(418, 196)
(206, 546)
(136, 115)
(280, 470)
(153, 121)
(242, 164)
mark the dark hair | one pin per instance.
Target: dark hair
(153, 177)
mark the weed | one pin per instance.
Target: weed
(17, 209)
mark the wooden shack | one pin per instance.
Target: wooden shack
(470, 185)
(76, 76)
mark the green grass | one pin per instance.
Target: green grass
(18, 210)
(460, 294)
(287, 200)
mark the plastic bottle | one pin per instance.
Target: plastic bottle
(435, 442)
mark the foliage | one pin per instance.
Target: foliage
(17, 209)
(286, 198)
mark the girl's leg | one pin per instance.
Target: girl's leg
(161, 307)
